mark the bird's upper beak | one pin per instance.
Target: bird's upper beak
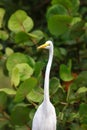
(43, 46)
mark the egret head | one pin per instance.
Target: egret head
(46, 45)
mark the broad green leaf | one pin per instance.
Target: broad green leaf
(15, 77)
(25, 88)
(22, 37)
(65, 73)
(20, 21)
(35, 95)
(71, 6)
(36, 35)
(21, 72)
(8, 91)
(3, 35)
(17, 58)
(20, 115)
(75, 30)
(65, 3)
(59, 24)
(56, 10)
(82, 90)
(8, 51)
(75, 6)
(2, 13)
(25, 71)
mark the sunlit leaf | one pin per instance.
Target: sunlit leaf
(21, 72)
(8, 51)
(37, 35)
(3, 35)
(15, 77)
(35, 96)
(20, 21)
(82, 90)
(17, 58)
(75, 20)
(8, 91)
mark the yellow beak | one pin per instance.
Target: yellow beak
(43, 46)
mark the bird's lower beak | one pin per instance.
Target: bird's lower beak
(42, 46)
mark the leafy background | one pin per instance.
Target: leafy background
(24, 25)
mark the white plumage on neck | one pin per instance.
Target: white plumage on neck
(47, 74)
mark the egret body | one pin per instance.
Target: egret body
(45, 116)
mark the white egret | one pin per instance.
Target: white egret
(45, 116)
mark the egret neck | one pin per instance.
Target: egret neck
(47, 75)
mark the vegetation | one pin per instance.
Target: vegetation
(24, 25)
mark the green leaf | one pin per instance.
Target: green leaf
(75, 20)
(22, 37)
(65, 3)
(56, 10)
(8, 51)
(20, 21)
(25, 71)
(38, 68)
(2, 13)
(35, 95)
(65, 73)
(71, 6)
(15, 77)
(36, 35)
(8, 91)
(17, 58)
(20, 115)
(21, 72)
(82, 90)
(59, 24)
(3, 35)
(25, 88)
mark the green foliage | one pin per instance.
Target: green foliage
(20, 21)
(24, 25)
